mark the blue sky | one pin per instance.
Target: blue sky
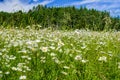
(113, 6)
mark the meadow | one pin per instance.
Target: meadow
(29, 54)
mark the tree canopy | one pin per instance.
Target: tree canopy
(60, 18)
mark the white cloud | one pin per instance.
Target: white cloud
(109, 5)
(15, 5)
(76, 3)
(35, 0)
(46, 2)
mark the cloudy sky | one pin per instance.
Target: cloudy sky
(113, 6)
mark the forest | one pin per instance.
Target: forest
(60, 18)
(59, 43)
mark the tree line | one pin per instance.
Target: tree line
(60, 18)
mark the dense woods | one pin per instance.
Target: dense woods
(60, 18)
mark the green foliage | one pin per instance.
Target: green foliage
(71, 17)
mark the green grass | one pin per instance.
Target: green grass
(59, 55)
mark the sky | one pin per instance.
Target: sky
(112, 6)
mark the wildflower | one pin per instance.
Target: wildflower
(0, 72)
(0, 53)
(26, 57)
(28, 27)
(118, 39)
(22, 77)
(67, 51)
(60, 43)
(7, 65)
(43, 59)
(60, 50)
(12, 57)
(78, 57)
(23, 51)
(56, 60)
(23, 57)
(20, 64)
(65, 73)
(53, 54)
(110, 53)
(77, 31)
(29, 58)
(66, 67)
(83, 47)
(4, 50)
(102, 43)
(119, 65)
(7, 72)
(84, 61)
(29, 42)
(103, 58)
(71, 55)
(71, 44)
(28, 69)
(19, 69)
(102, 52)
(33, 49)
(37, 41)
(14, 68)
(15, 44)
(1, 75)
(52, 47)
(44, 49)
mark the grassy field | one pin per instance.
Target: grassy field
(59, 55)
